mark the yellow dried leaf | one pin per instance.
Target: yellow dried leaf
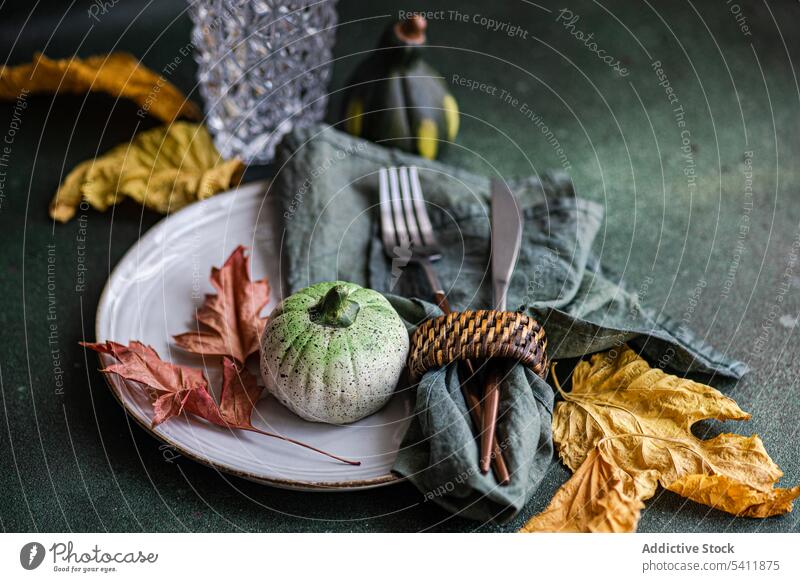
(599, 497)
(642, 417)
(164, 168)
(722, 493)
(118, 74)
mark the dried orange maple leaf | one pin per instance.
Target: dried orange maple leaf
(118, 74)
(176, 389)
(642, 417)
(232, 316)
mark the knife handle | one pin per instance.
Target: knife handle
(491, 404)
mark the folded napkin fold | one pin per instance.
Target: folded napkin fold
(327, 189)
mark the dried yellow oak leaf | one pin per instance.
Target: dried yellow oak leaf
(599, 497)
(164, 168)
(118, 74)
(643, 418)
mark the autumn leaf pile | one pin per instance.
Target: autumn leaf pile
(625, 428)
(229, 327)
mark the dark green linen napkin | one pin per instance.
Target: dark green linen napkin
(326, 186)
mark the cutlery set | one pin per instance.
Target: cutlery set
(407, 234)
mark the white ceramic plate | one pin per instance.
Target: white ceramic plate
(152, 295)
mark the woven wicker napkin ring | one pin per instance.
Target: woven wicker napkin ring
(473, 335)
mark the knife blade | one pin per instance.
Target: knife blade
(506, 241)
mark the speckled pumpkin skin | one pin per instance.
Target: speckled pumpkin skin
(331, 374)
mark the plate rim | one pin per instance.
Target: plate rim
(248, 189)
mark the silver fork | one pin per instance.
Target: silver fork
(406, 228)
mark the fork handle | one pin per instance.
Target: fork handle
(433, 281)
(441, 301)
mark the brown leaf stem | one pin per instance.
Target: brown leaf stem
(300, 444)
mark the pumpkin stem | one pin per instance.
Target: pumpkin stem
(335, 309)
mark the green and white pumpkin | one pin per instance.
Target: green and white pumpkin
(333, 352)
(395, 98)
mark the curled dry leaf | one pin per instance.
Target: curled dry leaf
(723, 493)
(232, 316)
(599, 497)
(643, 418)
(118, 74)
(176, 389)
(172, 388)
(164, 168)
(240, 392)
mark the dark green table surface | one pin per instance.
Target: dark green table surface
(685, 231)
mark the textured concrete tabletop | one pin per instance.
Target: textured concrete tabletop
(688, 132)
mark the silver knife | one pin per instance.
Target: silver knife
(506, 240)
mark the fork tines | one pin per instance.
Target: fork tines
(404, 217)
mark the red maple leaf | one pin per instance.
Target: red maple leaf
(172, 388)
(240, 392)
(231, 318)
(176, 389)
